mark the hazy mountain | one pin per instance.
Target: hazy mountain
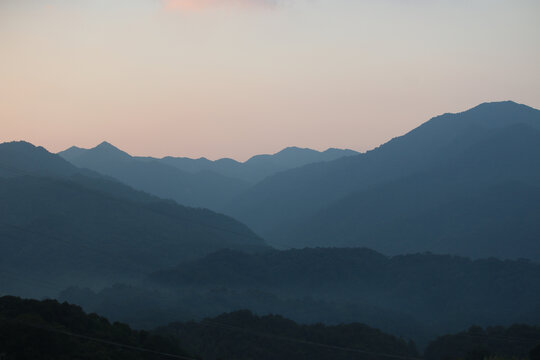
(417, 296)
(57, 231)
(22, 158)
(260, 166)
(491, 147)
(435, 293)
(482, 202)
(203, 189)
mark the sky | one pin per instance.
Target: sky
(235, 78)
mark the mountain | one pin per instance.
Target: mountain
(419, 296)
(440, 293)
(21, 158)
(242, 335)
(46, 330)
(260, 166)
(203, 189)
(482, 202)
(431, 172)
(57, 230)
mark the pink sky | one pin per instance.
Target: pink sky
(242, 77)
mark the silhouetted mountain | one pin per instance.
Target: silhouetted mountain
(513, 342)
(482, 202)
(48, 330)
(435, 293)
(148, 305)
(56, 231)
(443, 173)
(22, 158)
(242, 335)
(203, 189)
(260, 166)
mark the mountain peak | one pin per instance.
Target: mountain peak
(106, 147)
(22, 157)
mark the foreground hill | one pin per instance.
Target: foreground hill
(242, 335)
(203, 189)
(513, 342)
(431, 173)
(47, 330)
(258, 167)
(67, 228)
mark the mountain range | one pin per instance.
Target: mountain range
(61, 225)
(192, 182)
(463, 183)
(258, 167)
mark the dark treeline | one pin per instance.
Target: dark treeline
(513, 342)
(47, 330)
(242, 336)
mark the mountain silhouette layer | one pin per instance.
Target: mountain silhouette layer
(193, 182)
(258, 167)
(66, 227)
(462, 183)
(203, 189)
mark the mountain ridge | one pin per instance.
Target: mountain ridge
(288, 198)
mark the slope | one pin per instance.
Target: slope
(83, 230)
(204, 189)
(296, 194)
(484, 201)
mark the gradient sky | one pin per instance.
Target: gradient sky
(234, 78)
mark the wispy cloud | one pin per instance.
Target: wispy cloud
(191, 5)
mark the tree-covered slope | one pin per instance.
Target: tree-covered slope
(48, 330)
(513, 342)
(439, 293)
(241, 335)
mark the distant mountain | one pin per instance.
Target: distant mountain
(482, 202)
(31, 329)
(59, 227)
(260, 166)
(242, 335)
(204, 189)
(21, 158)
(418, 192)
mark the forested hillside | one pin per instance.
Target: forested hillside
(416, 296)
(242, 336)
(48, 330)
(60, 227)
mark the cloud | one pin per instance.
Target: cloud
(192, 5)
